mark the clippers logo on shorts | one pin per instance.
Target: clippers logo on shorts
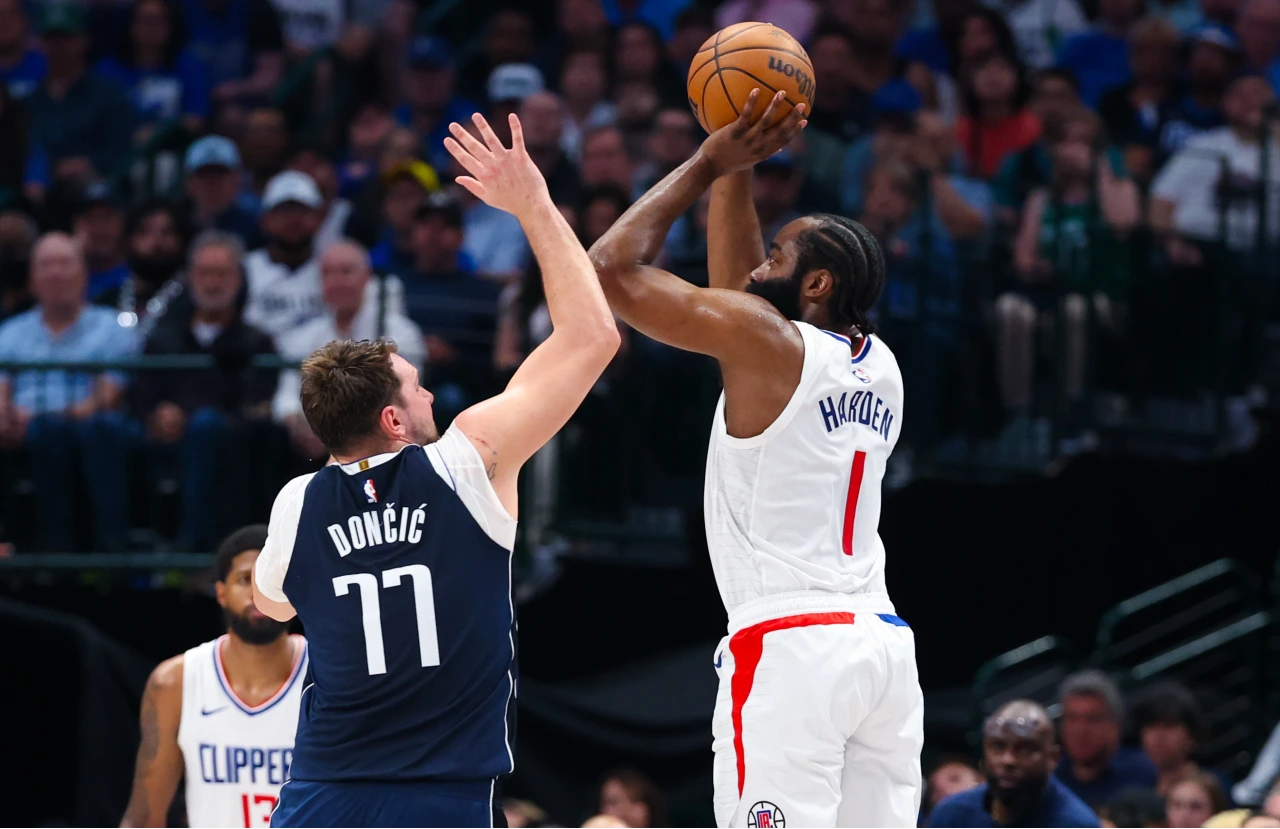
(765, 815)
(370, 492)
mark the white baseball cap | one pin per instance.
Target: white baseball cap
(294, 186)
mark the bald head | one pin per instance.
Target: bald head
(1019, 753)
(344, 273)
(58, 273)
(1021, 716)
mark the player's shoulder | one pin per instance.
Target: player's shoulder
(165, 681)
(294, 489)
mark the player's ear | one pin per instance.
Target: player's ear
(818, 284)
(220, 592)
(390, 422)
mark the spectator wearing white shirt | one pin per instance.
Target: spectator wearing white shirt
(347, 281)
(1040, 26)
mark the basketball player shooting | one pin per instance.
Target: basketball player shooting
(224, 713)
(397, 557)
(819, 718)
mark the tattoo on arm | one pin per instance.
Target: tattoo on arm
(490, 468)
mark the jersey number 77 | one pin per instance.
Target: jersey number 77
(424, 606)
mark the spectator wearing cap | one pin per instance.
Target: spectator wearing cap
(354, 310)
(165, 80)
(1213, 60)
(508, 38)
(1258, 30)
(658, 14)
(456, 311)
(191, 416)
(430, 100)
(83, 122)
(1018, 753)
(22, 66)
(312, 158)
(62, 416)
(542, 115)
(1099, 57)
(1040, 26)
(584, 83)
(213, 185)
(99, 229)
(156, 236)
(405, 186)
(1094, 765)
(1135, 112)
(1171, 727)
(242, 44)
(508, 86)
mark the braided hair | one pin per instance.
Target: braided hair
(853, 256)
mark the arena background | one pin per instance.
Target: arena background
(994, 540)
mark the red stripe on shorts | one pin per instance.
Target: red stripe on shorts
(746, 646)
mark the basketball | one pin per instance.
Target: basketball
(741, 58)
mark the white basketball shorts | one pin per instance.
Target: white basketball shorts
(819, 719)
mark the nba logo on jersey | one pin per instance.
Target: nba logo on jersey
(370, 492)
(765, 815)
(862, 375)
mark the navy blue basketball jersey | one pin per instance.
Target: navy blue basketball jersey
(399, 567)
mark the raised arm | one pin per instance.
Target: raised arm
(552, 382)
(159, 766)
(735, 243)
(722, 323)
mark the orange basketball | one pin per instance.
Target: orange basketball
(743, 57)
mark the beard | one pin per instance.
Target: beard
(155, 270)
(262, 631)
(292, 247)
(1021, 798)
(782, 293)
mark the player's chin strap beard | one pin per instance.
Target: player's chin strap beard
(782, 293)
(259, 632)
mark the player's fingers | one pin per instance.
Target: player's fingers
(517, 132)
(766, 120)
(468, 141)
(748, 110)
(472, 186)
(466, 159)
(491, 139)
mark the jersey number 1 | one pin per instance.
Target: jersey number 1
(851, 501)
(424, 605)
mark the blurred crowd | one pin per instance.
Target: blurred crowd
(222, 186)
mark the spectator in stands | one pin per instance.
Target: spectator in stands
(950, 775)
(630, 796)
(639, 57)
(584, 82)
(508, 86)
(264, 146)
(1135, 112)
(309, 27)
(605, 159)
(156, 236)
(1134, 807)
(875, 27)
(1192, 798)
(1258, 29)
(673, 139)
(981, 31)
(1171, 727)
(1185, 206)
(795, 17)
(18, 233)
(580, 24)
(696, 25)
(22, 66)
(638, 104)
(456, 310)
(660, 15)
(164, 80)
(313, 159)
(190, 415)
(24, 166)
(99, 229)
(370, 127)
(1070, 237)
(1040, 26)
(542, 115)
(355, 309)
(214, 176)
(405, 185)
(1094, 765)
(242, 44)
(431, 103)
(775, 187)
(1099, 57)
(1019, 752)
(933, 44)
(84, 122)
(997, 122)
(282, 279)
(61, 415)
(841, 111)
(508, 38)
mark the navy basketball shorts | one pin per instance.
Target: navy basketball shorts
(402, 803)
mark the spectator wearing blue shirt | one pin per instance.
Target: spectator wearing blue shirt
(21, 67)
(660, 14)
(63, 415)
(214, 178)
(242, 44)
(431, 102)
(164, 80)
(404, 187)
(1019, 752)
(1094, 765)
(1099, 58)
(82, 121)
(99, 228)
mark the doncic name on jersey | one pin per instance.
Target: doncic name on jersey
(373, 527)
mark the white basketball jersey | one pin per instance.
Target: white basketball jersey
(797, 507)
(237, 756)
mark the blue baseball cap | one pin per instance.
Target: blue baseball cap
(1214, 34)
(212, 151)
(896, 98)
(430, 53)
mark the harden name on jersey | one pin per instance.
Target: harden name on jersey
(859, 407)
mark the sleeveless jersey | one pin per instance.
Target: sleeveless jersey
(236, 756)
(399, 567)
(797, 507)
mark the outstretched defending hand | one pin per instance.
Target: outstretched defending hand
(503, 178)
(742, 144)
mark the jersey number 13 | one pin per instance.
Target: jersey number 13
(424, 606)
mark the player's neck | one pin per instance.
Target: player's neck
(246, 663)
(385, 447)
